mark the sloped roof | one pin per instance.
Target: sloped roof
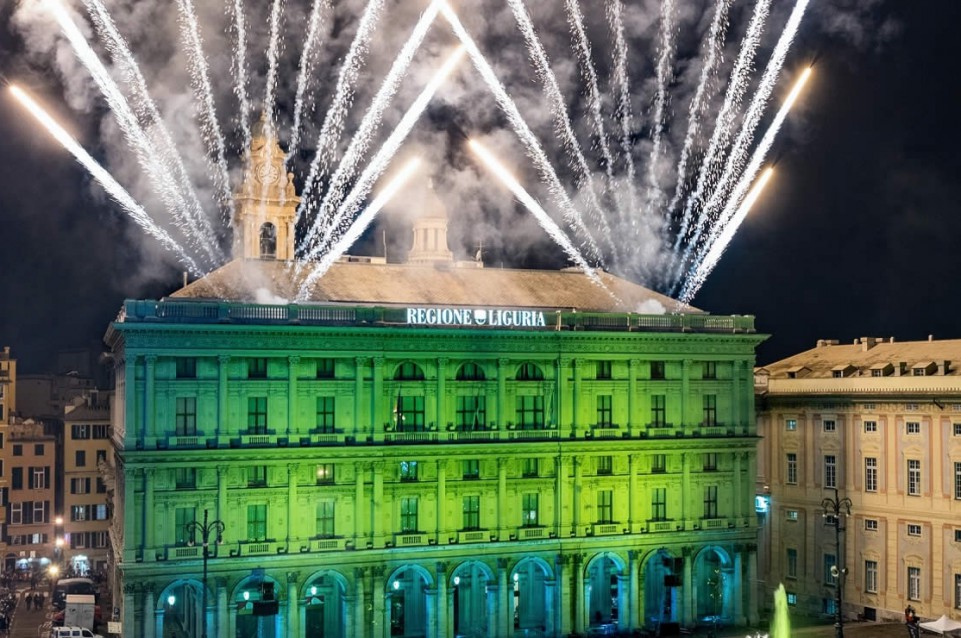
(823, 359)
(265, 281)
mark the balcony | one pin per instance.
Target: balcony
(327, 544)
(660, 526)
(473, 536)
(184, 553)
(182, 442)
(471, 435)
(258, 440)
(410, 539)
(520, 433)
(259, 548)
(714, 523)
(605, 431)
(531, 533)
(410, 437)
(606, 529)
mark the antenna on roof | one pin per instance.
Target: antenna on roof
(479, 255)
(384, 236)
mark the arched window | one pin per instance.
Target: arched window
(268, 241)
(470, 371)
(529, 372)
(408, 371)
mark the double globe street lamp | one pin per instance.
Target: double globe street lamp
(836, 507)
(205, 530)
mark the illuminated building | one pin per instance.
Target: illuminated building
(429, 449)
(31, 455)
(881, 422)
(8, 405)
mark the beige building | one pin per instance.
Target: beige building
(881, 422)
(8, 385)
(83, 539)
(31, 455)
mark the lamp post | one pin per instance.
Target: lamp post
(205, 530)
(836, 507)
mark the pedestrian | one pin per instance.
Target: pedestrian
(42, 599)
(29, 600)
(37, 602)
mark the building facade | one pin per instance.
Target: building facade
(8, 385)
(878, 422)
(31, 502)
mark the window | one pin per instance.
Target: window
(186, 367)
(79, 513)
(791, 571)
(913, 427)
(870, 407)
(470, 371)
(871, 576)
(830, 561)
(914, 529)
(710, 461)
(16, 478)
(791, 515)
(914, 583)
(604, 369)
(830, 471)
(911, 407)
(40, 511)
(325, 473)
(605, 465)
(659, 504)
(914, 477)
(531, 468)
(185, 422)
(408, 371)
(957, 429)
(408, 514)
(257, 368)
(871, 524)
(183, 516)
(325, 519)
(409, 414)
(80, 458)
(256, 476)
(471, 469)
(185, 478)
(605, 506)
(710, 370)
(870, 474)
(101, 456)
(530, 412)
(830, 425)
(710, 501)
(38, 449)
(529, 372)
(39, 478)
(80, 486)
(791, 598)
(529, 516)
(709, 418)
(658, 411)
(471, 513)
(471, 412)
(408, 470)
(957, 536)
(657, 370)
(957, 481)
(101, 486)
(957, 591)
(78, 432)
(16, 513)
(658, 463)
(791, 467)
(870, 426)
(99, 432)
(790, 425)
(18, 450)
(325, 368)
(256, 415)
(257, 522)
(325, 415)
(605, 413)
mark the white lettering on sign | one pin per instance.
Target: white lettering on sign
(475, 317)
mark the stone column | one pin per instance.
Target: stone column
(222, 623)
(577, 365)
(376, 396)
(567, 597)
(361, 626)
(736, 412)
(751, 587)
(441, 602)
(576, 495)
(687, 588)
(623, 600)
(738, 587)
(293, 605)
(130, 590)
(580, 613)
(291, 505)
(501, 496)
(150, 615)
(632, 420)
(504, 614)
(360, 524)
(686, 392)
(148, 427)
(686, 488)
(441, 501)
(222, 413)
(632, 466)
(222, 492)
(560, 598)
(361, 425)
(292, 363)
(377, 521)
(380, 620)
(441, 394)
(502, 393)
(634, 592)
(560, 492)
(149, 524)
(560, 372)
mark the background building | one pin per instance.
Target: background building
(31, 497)
(881, 422)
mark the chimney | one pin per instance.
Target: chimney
(930, 337)
(867, 343)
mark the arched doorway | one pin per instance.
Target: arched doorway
(604, 592)
(531, 607)
(407, 602)
(251, 599)
(713, 586)
(662, 584)
(324, 607)
(268, 241)
(472, 604)
(180, 610)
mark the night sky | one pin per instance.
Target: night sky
(856, 235)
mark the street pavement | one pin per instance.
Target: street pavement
(32, 623)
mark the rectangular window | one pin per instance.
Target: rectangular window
(182, 517)
(100, 431)
(710, 370)
(914, 529)
(791, 563)
(185, 423)
(710, 461)
(605, 506)
(790, 425)
(529, 517)
(18, 450)
(870, 426)
(325, 368)
(185, 478)
(659, 504)
(471, 513)
(957, 591)
(186, 367)
(913, 427)
(830, 560)
(870, 474)
(79, 513)
(871, 524)
(256, 476)
(791, 473)
(325, 519)
(957, 481)
(914, 583)
(257, 522)
(871, 576)
(39, 478)
(605, 411)
(257, 368)
(658, 463)
(914, 477)
(80, 458)
(471, 412)
(957, 429)
(791, 515)
(471, 469)
(830, 425)
(16, 513)
(16, 478)
(80, 486)
(709, 417)
(530, 412)
(604, 370)
(830, 471)
(101, 456)
(791, 599)
(256, 415)
(325, 415)
(658, 370)
(325, 473)
(79, 432)
(409, 414)
(408, 514)
(710, 501)
(38, 449)
(531, 468)
(605, 465)
(408, 470)
(658, 411)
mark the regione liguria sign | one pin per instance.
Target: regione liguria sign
(485, 317)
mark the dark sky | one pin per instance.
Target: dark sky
(856, 235)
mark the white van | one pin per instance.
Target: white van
(72, 632)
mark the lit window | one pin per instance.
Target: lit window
(325, 473)
(529, 517)
(791, 515)
(790, 425)
(791, 599)
(408, 470)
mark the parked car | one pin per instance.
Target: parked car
(72, 632)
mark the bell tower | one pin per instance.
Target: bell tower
(266, 202)
(430, 232)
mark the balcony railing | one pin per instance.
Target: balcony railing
(184, 553)
(327, 544)
(660, 526)
(473, 536)
(529, 533)
(606, 529)
(258, 548)
(186, 441)
(410, 539)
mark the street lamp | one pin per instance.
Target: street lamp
(836, 507)
(205, 530)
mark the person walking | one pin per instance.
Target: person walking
(29, 600)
